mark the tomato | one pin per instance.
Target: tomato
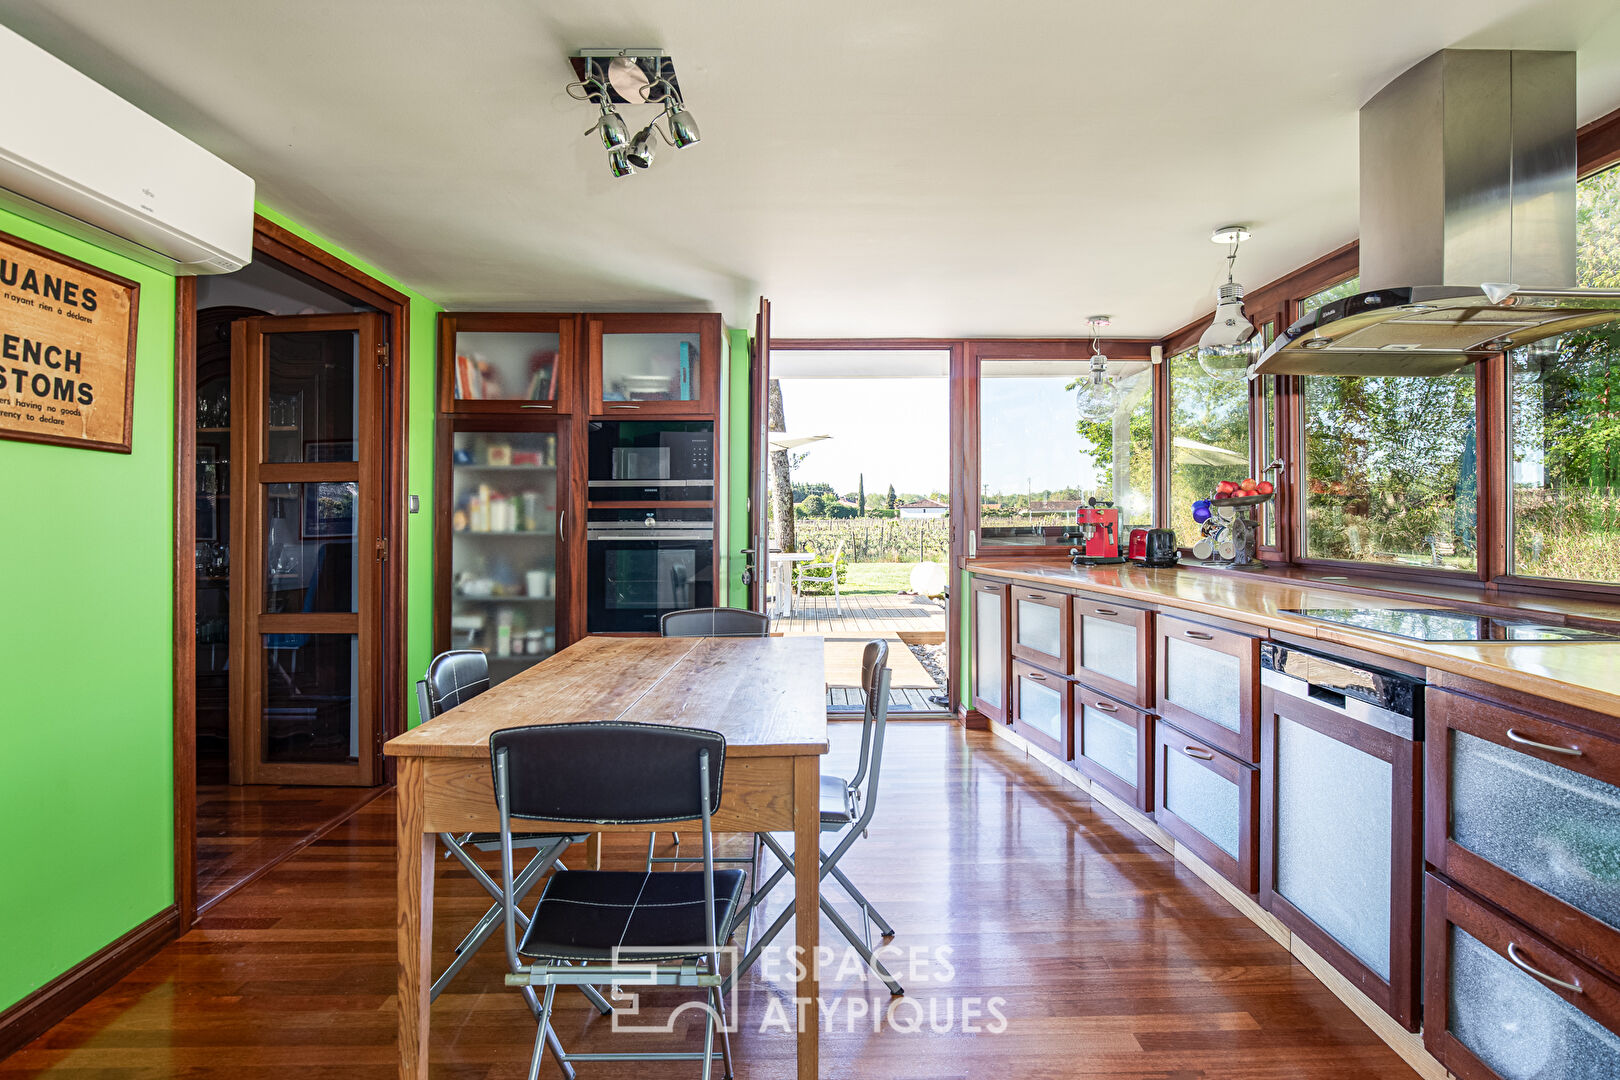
(1264, 487)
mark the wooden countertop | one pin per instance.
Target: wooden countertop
(1585, 674)
(765, 695)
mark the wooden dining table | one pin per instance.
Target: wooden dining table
(765, 695)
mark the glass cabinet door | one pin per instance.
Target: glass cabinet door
(1040, 627)
(652, 365)
(1208, 685)
(506, 362)
(504, 523)
(990, 649)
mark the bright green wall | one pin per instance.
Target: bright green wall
(734, 439)
(85, 654)
(86, 776)
(419, 463)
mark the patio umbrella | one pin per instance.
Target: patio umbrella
(781, 440)
(1191, 452)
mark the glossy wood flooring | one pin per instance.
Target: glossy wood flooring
(1111, 960)
(242, 829)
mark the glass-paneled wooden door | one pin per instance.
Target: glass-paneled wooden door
(308, 542)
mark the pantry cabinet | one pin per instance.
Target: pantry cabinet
(516, 363)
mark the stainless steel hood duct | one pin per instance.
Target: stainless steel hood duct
(1467, 223)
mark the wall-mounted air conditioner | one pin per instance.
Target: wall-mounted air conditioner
(85, 160)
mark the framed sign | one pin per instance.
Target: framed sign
(67, 350)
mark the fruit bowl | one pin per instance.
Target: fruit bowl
(1242, 500)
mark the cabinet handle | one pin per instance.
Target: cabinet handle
(1199, 634)
(1513, 955)
(1036, 676)
(624, 406)
(1105, 611)
(538, 405)
(1105, 706)
(1035, 596)
(1198, 752)
(1514, 736)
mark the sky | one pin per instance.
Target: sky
(897, 431)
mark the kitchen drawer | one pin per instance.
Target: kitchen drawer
(991, 643)
(1113, 648)
(1503, 1003)
(1209, 684)
(1041, 633)
(1113, 746)
(1340, 851)
(1524, 810)
(1041, 709)
(1209, 801)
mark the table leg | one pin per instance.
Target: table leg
(415, 923)
(807, 905)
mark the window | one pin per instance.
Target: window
(1391, 470)
(1391, 465)
(1564, 423)
(1209, 438)
(1049, 440)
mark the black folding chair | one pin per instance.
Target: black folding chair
(708, 622)
(635, 928)
(847, 808)
(453, 678)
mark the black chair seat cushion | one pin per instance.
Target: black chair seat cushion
(836, 802)
(586, 914)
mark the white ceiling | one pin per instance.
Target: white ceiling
(932, 168)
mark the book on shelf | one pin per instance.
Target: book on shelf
(469, 380)
(687, 364)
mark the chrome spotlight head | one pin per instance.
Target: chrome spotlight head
(683, 130)
(610, 126)
(643, 147)
(619, 162)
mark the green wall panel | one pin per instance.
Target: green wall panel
(734, 440)
(86, 777)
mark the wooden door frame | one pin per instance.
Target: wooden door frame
(287, 248)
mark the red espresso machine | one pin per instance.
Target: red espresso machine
(1097, 529)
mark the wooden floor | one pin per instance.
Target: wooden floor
(864, 614)
(242, 829)
(1107, 958)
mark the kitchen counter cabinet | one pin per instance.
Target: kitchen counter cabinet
(1210, 802)
(1113, 648)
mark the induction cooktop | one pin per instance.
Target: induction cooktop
(1438, 624)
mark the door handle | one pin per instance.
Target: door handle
(1037, 676)
(1523, 965)
(624, 406)
(537, 405)
(562, 521)
(1035, 596)
(1514, 736)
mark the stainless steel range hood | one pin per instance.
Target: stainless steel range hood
(1467, 223)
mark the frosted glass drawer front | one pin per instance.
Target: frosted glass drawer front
(1040, 627)
(991, 649)
(1334, 837)
(1041, 706)
(1108, 648)
(1519, 1027)
(1204, 682)
(1555, 828)
(1110, 742)
(1203, 799)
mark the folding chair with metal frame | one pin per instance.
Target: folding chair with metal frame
(636, 928)
(847, 808)
(455, 677)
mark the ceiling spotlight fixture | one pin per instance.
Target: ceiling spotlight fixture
(1224, 350)
(614, 77)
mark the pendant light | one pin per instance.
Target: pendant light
(1097, 397)
(1223, 350)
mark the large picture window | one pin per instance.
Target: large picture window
(1049, 439)
(1209, 438)
(1564, 422)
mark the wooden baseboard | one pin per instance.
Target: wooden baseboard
(973, 719)
(35, 1014)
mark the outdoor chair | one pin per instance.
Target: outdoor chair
(819, 573)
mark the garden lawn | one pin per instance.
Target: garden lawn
(877, 578)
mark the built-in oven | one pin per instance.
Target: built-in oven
(643, 563)
(644, 461)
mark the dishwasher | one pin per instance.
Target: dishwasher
(1341, 797)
